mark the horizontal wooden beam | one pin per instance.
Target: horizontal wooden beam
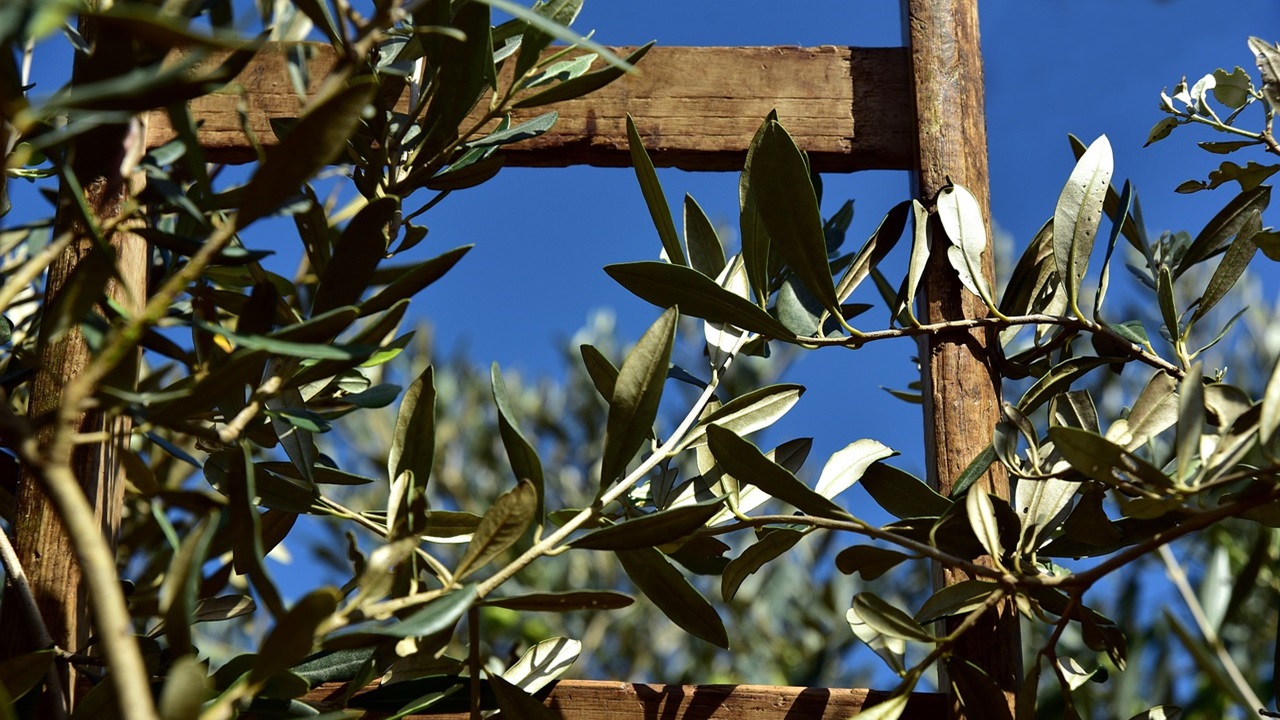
(593, 700)
(697, 108)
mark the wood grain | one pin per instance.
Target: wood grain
(961, 388)
(606, 700)
(696, 107)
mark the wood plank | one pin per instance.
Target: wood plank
(607, 700)
(697, 109)
(961, 387)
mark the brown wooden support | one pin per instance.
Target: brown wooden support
(697, 109)
(961, 389)
(42, 544)
(596, 700)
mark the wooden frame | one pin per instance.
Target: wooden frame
(914, 108)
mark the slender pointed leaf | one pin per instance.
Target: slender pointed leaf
(650, 530)
(902, 494)
(961, 218)
(636, 394)
(1190, 422)
(673, 595)
(848, 464)
(787, 204)
(362, 245)
(706, 253)
(520, 452)
(772, 545)
(1224, 226)
(653, 195)
(563, 601)
(543, 663)
(747, 413)
(756, 243)
(1102, 460)
(1239, 253)
(500, 528)
(745, 462)
(667, 285)
(413, 443)
(889, 620)
(1078, 214)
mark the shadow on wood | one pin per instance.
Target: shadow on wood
(596, 700)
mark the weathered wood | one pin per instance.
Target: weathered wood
(696, 107)
(43, 546)
(961, 389)
(604, 700)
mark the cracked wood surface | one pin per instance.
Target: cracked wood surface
(696, 107)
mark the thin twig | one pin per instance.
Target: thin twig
(1179, 580)
(18, 580)
(1066, 321)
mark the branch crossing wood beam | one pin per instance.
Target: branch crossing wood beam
(696, 107)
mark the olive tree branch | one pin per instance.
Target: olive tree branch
(1179, 580)
(1134, 350)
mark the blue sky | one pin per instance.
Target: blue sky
(1052, 67)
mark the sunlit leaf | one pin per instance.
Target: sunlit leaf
(961, 218)
(747, 413)
(1101, 460)
(583, 84)
(848, 464)
(543, 663)
(1078, 214)
(745, 462)
(982, 519)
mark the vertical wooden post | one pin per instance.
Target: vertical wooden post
(961, 390)
(98, 160)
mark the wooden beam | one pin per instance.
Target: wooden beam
(593, 700)
(697, 109)
(44, 547)
(961, 388)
